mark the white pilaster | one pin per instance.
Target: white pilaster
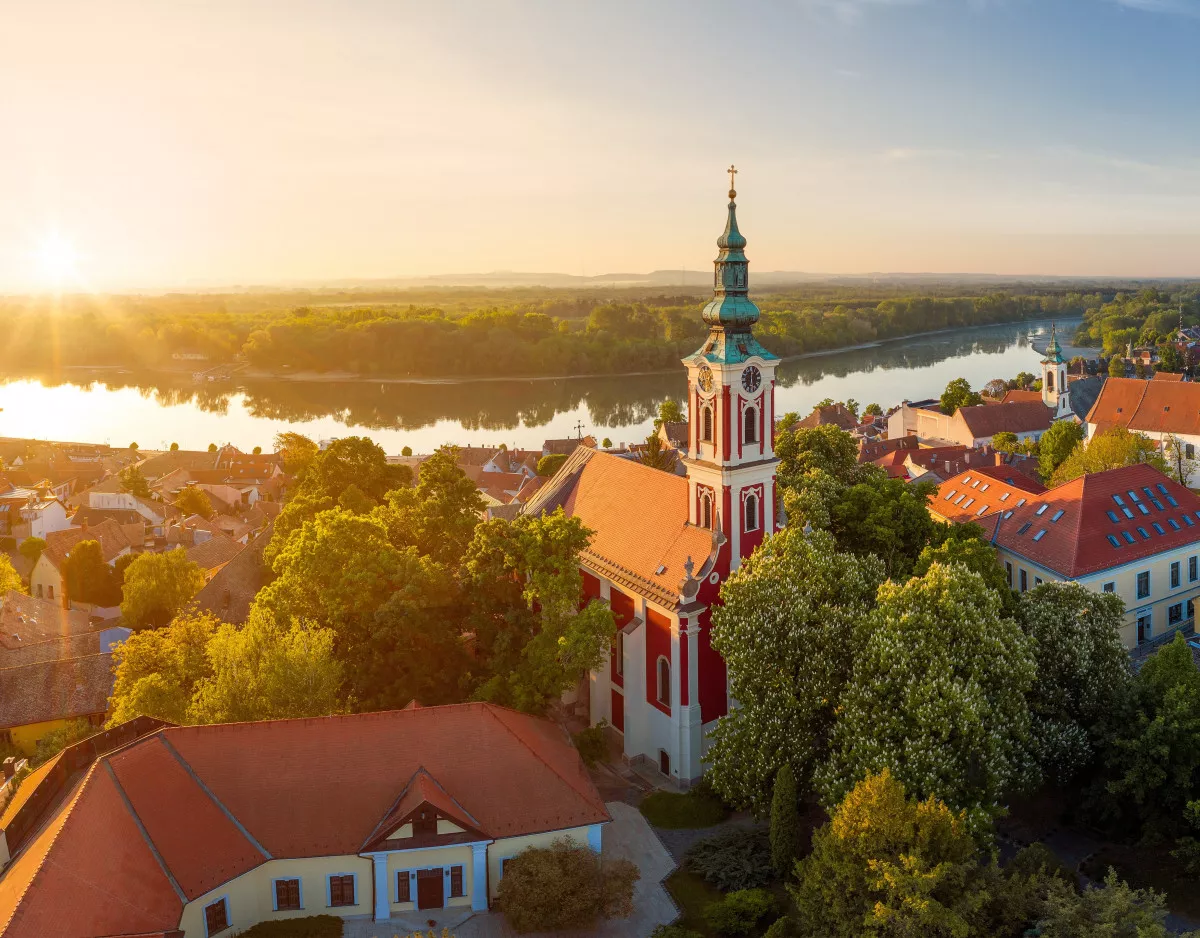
(479, 877)
(383, 907)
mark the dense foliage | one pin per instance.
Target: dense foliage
(1109, 449)
(737, 858)
(158, 586)
(465, 332)
(564, 886)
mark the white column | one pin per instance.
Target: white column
(479, 877)
(383, 907)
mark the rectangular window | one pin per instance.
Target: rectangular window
(1058, 514)
(341, 890)
(287, 894)
(1037, 581)
(1040, 534)
(953, 492)
(1143, 584)
(1144, 533)
(456, 881)
(1175, 614)
(1174, 524)
(1143, 509)
(1158, 528)
(1127, 513)
(1128, 537)
(1025, 527)
(620, 654)
(1175, 577)
(1112, 540)
(1192, 571)
(1008, 571)
(403, 887)
(1110, 587)
(1024, 581)
(216, 916)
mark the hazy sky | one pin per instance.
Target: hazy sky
(176, 143)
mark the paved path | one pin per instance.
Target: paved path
(629, 836)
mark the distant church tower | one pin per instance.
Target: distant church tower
(1056, 393)
(731, 410)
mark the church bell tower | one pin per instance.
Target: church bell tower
(1056, 393)
(731, 408)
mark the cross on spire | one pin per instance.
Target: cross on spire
(732, 172)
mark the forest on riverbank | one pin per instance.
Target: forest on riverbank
(474, 332)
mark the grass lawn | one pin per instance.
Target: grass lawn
(691, 809)
(1150, 868)
(692, 894)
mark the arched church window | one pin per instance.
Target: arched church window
(706, 510)
(1049, 380)
(664, 682)
(751, 512)
(706, 422)
(750, 432)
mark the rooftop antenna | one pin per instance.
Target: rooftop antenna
(579, 428)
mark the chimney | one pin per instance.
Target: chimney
(999, 459)
(85, 527)
(948, 472)
(9, 766)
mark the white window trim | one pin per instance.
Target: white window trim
(275, 893)
(329, 890)
(658, 689)
(1149, 585)
(228, 914)
(757, 512)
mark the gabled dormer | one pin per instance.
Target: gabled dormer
(424, 815)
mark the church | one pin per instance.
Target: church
(663, 544)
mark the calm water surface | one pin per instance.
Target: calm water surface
(154, 411)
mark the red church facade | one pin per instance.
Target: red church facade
(664, 543)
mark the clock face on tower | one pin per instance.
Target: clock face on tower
(751, 379)
(705, 379)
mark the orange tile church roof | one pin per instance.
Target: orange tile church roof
(638, 516)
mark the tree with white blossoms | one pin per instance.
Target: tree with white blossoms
(937, 695)
(1083, 672)
(786, 630)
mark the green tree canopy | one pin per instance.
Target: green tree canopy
(158, 586)
(354, 460)
(9, 578)
(88, 578)
(888, 865)
(1056, 444)
(937, 694)
(1083, 675)
(1116, 367)
(669, 411)
(655, 455)
(132, 481)
(156, 670)
(31, 549)
(966, 544)
(1006, 442)
(786, 629)
(548, 465)
(540, 554)
(440, 515)
(1110, 449)
(193, 500)
(298, 452)
(824, 447)
(958, 394)
(872, 410)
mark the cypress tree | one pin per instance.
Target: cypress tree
(785, 821)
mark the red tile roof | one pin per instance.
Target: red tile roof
(58, 689)
(111, 536)
(297, 788)
(1077, 543)
(977, 494)
(1012, 397)
(638, 516)
(1166, 376)
(985, 420)
(1147, 406)
(836, 414)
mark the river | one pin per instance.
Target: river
(156, 410)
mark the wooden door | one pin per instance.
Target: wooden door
(429, 889)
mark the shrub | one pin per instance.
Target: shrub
(785, 821)
(310, 926)
(696, 808)
(548, 465)
(735, 859)
(564, 886)
(740, 912)
(592, 743)
(674, 931)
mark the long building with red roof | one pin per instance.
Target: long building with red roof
(201, 831)
(1131, 531)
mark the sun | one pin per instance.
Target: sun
(57, 258)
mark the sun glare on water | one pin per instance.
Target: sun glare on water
(57, 260)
